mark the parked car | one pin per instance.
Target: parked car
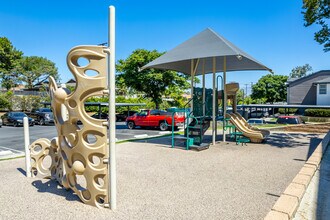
(154, 118)
(289, 120)
(258, 114)
(122, 116)
(254, 121)
(42, 116)
(15, 119)
(0, 122)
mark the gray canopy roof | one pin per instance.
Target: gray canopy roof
(206, 45)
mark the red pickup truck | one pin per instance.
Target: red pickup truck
(155, 118)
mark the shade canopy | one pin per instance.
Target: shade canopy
(206, 45)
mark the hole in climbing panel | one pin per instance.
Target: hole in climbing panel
(64, 113)
(81, 182)
(91, 73)
(46, 162)
(80, 124)
(82, 61)
(99, 180)
(95, 159)
(34, 171)
(37, 148)
(90, 138)
(100, 199)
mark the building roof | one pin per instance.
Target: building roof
(326, 80)
(302, 79)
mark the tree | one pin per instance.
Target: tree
(152, 82)
(300, 71)
(270, 88)
(35, 69)
(318, 12)
(9, 58)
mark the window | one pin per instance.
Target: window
(322, 89)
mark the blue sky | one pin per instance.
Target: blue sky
(270, 31)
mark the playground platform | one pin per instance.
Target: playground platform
(155, 181)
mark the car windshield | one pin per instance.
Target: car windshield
(18, 114)
(287, 121)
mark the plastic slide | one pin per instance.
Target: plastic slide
(244, 122)
(255, 136)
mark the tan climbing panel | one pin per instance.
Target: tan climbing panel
(80, 151)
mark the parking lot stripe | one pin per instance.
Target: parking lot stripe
(141, 136)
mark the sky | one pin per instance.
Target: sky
(270, 31)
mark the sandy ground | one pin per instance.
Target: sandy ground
(227, 181)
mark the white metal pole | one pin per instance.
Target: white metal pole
(213, 103)
(112, 109)
(26, 145)
(224, 98)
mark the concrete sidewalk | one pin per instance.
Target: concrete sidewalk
(316, 201)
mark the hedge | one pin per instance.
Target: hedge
(288, 110)
(317, 112)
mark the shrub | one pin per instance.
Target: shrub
(317, 112)
(288, 110)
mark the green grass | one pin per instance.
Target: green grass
(12, 158)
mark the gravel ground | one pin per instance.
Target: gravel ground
(227, 181)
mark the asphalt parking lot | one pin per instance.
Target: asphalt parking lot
(12, 138)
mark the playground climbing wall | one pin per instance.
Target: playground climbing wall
(79, 155)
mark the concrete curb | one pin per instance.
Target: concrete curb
(288, 203)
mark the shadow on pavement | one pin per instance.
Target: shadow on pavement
(51, 186)
(293, 140)
(22, 171)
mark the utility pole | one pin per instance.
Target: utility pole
(246, 93)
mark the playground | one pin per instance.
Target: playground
(156, 181)
(202, 172)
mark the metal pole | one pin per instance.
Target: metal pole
(213, 103)
(27, 144)
(112, 109)
(224, 98)
(204, 88)
(192, 85)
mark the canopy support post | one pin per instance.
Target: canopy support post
(224, 99)
(192, 86)
(213, 103)
(204, 112)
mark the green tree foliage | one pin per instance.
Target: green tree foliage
(4, 102)
(153, 83)
(35, 69)
(9, 58)
(270, 88)
(300, 71)
(318, 12)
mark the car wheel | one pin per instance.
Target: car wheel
(15, 124)
(163, 126)
(42, 121)
(130, 125)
